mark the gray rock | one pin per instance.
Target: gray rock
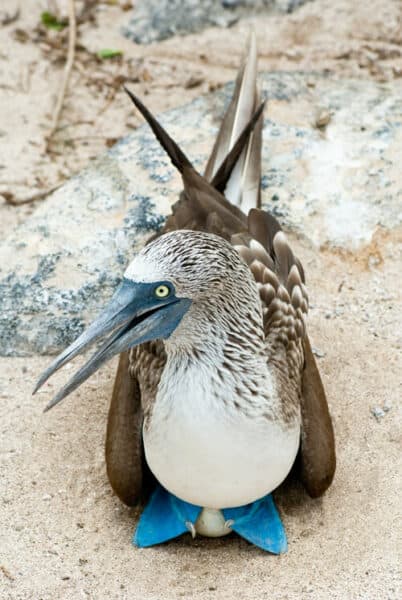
(379, 412)
(160, 19)
(335, 187)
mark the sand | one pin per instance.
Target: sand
(63, 533)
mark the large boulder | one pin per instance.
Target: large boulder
(331, 165)
(160, 19)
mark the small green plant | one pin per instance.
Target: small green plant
(50, 21)
(108, 53)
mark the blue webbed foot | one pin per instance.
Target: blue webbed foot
(260, 524)
(164, 518)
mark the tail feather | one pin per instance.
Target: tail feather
(243, 185)
(223, 174)
(231, 184)
(175, 153)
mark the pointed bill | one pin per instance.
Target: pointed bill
(133, 316)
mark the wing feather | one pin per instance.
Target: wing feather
(280, 280)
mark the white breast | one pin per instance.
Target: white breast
(211, 454)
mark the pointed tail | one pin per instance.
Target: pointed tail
(242, 187)
(220, 200)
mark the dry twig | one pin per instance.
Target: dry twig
(72, 37)
(7, 19)
(7, 573)
(11, 199)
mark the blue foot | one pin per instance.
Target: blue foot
(260, 524)
(166, 517)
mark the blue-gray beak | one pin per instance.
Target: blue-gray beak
(134, 315)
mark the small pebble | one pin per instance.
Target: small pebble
(377, 412)
(322, 118)
(193, 82)
(386, 406)
(318, 353)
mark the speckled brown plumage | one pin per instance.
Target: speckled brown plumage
(284, 299)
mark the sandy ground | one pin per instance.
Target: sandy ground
(63, 533)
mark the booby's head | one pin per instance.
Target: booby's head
(177, 270)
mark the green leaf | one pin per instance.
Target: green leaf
(108, 53)
(50, 21)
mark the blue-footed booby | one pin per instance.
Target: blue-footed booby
(217, 391)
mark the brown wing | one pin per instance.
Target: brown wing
(127, 469)
(317, 448)
(284, 301)
(280, 278)
(123, 449)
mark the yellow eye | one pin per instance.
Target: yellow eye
(162, 291)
